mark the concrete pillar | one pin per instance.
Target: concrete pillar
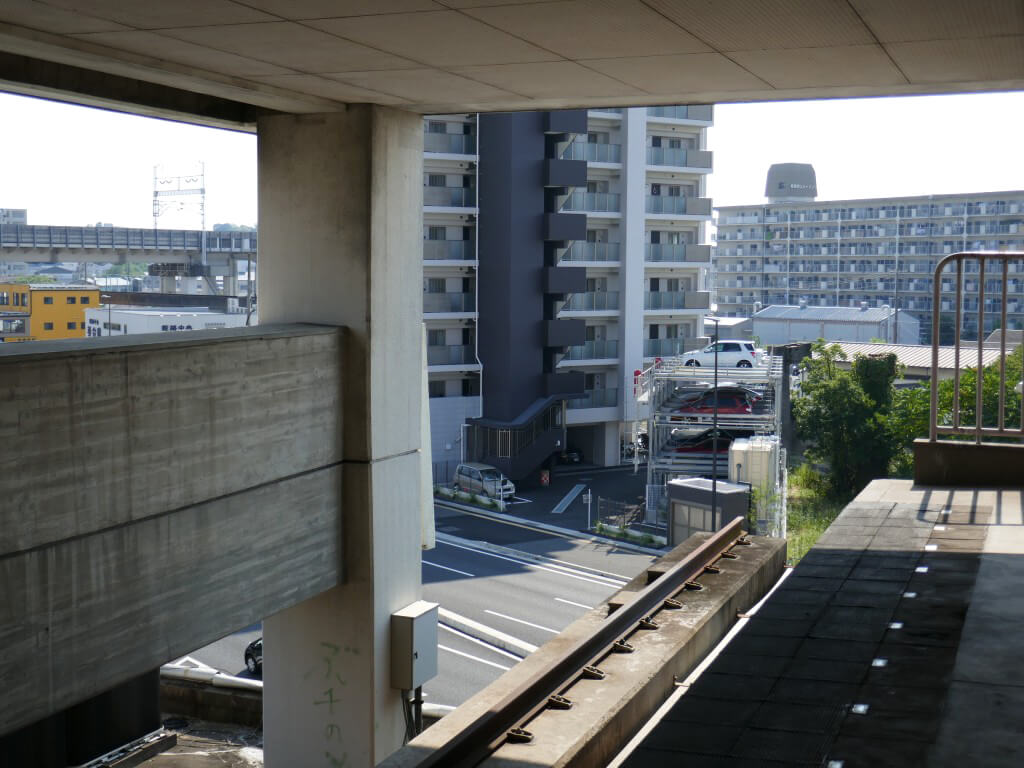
(340, 240)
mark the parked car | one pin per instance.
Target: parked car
(254, 657)
(484, 480)
(701, 442)
(729, 402)
(571, 455)
(732, 353)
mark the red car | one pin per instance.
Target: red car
(730, 402)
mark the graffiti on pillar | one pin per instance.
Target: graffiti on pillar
(331, 655)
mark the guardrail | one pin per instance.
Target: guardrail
(978, 429)
(506, 721)
(33, 236)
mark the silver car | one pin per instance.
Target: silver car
(484, 480)
(738, 353)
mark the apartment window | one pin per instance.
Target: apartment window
(72, 326)
(597, 235)
(470, 387)
(47, 299)
(436, 338)
(434, 285)
(85, 299)
(597, 137)
(47, 326)
(597, 284)
(652, 331)
(71, 300)
(4, 299)
(433, 126)
(81, 325)
(437, 233)
(24, 299)
(597, 186)
(436, 180)
(655, 189)
(673, 191)
(671, 331)
(435, 388)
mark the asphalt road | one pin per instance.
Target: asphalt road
(528, 600)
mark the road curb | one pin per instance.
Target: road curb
(547, 528)
(498, 549)
(486, 634)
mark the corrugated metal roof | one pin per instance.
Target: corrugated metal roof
(919, 355)
(817, 314)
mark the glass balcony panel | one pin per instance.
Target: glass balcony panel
(595, 202)
(450, 197)
(584, 251)
(449, 302)
(449, 250)
(451, 355)
(593, 153)
(596, 398)
(450, 143)
(592, 301)
(597, 349)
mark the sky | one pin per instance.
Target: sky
(75, 166)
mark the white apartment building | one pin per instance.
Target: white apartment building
(644, 255)
(882, 251)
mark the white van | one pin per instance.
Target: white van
(484, 480)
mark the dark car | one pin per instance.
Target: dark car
(729, 402)
(701, 442)
(254, 657)
(571, 455)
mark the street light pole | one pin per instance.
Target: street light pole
(714, 431)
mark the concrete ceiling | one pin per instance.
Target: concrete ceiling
(438, 56)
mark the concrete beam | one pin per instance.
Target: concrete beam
(160, 494)
(966, 464)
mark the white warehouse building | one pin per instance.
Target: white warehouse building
(783, 324)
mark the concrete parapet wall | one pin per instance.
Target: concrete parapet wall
(966, 464)
(159, 494)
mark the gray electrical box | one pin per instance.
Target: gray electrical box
(413, 645)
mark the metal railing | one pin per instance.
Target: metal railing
(596, 398)
(26, 236)
(683, 112)
(677, 252)
(598, 202)
(452, 354)
(449, 302)
(450, 143)
(978, 429)
(449, 250)
(678, 205)
(507, 719)
(676, 299)
(591, 301)
(593, 153)
(595, 349)
(449, 197)
(584, 251)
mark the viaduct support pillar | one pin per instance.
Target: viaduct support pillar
(340, 207)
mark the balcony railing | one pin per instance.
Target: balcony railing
(449, 250)
(594, 301)
(450, 143)
(677, 252)
(456, 354)
(663, 347)
(683, 112)
(596, 398)
(594, 202)
(449, 302)
(450, 197)
(676, 300)
(679, 206)
(680, 158)
(593, 153)
(980, 418)
(581, 251)
(597, 349)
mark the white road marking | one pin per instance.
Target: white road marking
(568, 499)
(578, 605)
(560, 570)
(474, 658)
(445, 567)
(521, 621)
(480, 642)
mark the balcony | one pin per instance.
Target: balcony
(699, 112)
(678, 206)
(450, 143)
(449, 302)
(456, 354)
(596, 349)
(593, 153)
(582, 251)
(663, 347)
(449, 250)
(678, 158)
(593, 301)
(449, 197)
(596, 398)
(677, 252)
(593, 202)
(662, 300)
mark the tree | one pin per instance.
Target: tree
(844, 423)
(130, 269)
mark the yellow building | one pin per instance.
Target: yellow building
(40, 311)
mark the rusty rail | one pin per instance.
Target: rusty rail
(978, 430)
(507, 719)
